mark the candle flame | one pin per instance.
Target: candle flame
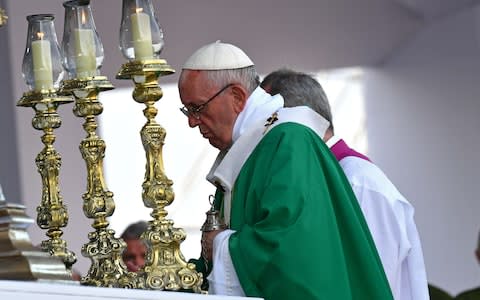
(84, 18)
(40, 35)
(138, 10)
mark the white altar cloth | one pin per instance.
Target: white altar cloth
(28, 290)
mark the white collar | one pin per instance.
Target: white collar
(332, 141)
(259, 105)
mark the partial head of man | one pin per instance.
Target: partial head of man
(299, 89)
(134, 254)
(214, 86)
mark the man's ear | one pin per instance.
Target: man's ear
(240, 97)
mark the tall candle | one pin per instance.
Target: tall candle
(42, 64)
(85, 52)
(142, 35)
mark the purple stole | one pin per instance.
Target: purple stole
(341, 150)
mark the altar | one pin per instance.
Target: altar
(27, 290)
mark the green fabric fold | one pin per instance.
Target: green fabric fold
(300, 233)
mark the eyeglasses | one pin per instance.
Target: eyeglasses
(196, 110)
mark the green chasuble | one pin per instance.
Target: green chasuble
(300, 233)
(473, 294)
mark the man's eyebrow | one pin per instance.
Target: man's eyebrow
(192, 105)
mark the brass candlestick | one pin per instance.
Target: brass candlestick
(19, 259)
(165, 267)
(52, 213)
(103, 249)
(83, 58)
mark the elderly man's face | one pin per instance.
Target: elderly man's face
(134, 254)
(213, 109)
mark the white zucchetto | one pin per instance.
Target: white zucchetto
(218, 56)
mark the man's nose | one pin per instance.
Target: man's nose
(139, 261)
(193, 122)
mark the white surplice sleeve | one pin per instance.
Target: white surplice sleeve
(390, 219)
(223, 279)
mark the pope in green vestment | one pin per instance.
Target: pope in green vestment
(296, 230)
(299, 231)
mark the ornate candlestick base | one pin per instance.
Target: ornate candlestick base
(52, 213)
(103, 249)
(165, 267)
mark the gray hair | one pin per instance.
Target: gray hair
(298, 89)
(134, 230)
(248, 77)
